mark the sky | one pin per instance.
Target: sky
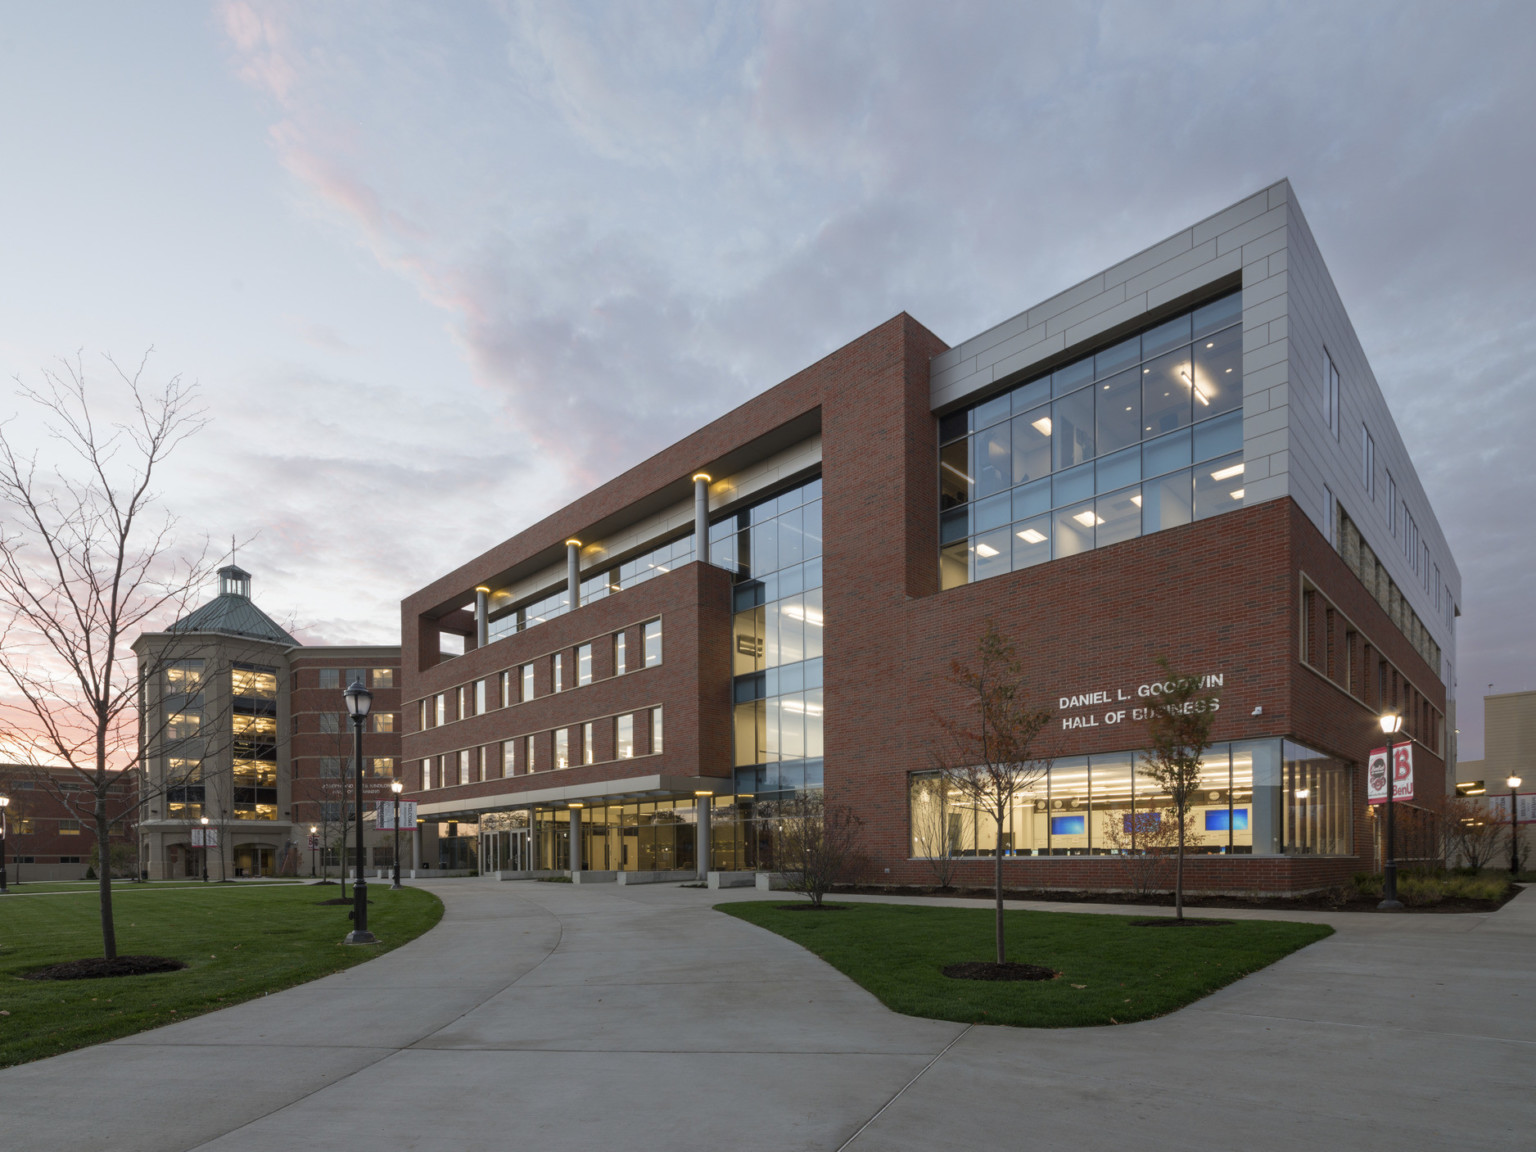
(438, 269)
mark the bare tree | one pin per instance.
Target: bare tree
(1472, 834)
(1145, 842)
(816, 844)
(88, 560)
(1180, 714)
(936, 829)
(990, 759)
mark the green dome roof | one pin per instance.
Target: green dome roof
(232, 612)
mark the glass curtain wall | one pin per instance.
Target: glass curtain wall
(648, 836)
(1141, 436)
(1266, 797)
(774, 547)
(254, 695)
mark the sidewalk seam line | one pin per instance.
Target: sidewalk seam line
(904, 1087)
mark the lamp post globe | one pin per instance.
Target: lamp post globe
(1514, 826)
(314, 831)
(5, 802)
(397, 787)
(359, 700)
(1391, 725)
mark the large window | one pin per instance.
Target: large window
(583, 665)
(624, 737)
(1142, 436)
(1264, 797)
(775, 549)
(652, 634)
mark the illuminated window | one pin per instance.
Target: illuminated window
(440, 709)
(383, 677)
(464, 777)
(505, 692)
(257, 683)
(652, 643)
(527, 678)
(383, 721)
(530, 756)
(69, 827)
(583, 665)
(655, 731)
(624, 737)
(587, 753)
(562, 748)
(183, 725)
(426, 774)
(381, 766)
(479, 697)
(184, 676)
(620, 664)
(559, 672)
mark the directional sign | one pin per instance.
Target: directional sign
(1402, 774)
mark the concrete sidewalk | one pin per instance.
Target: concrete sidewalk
(556, 1016)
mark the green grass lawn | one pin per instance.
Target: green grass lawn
(239, 941)
(1111, 971)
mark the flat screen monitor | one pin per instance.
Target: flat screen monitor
(1216, 820)
(1143, 821)
(1068, 825)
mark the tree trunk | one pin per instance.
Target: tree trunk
(998, 879)
(104, 879)
(1178, 880)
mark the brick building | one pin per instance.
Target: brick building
(247, 746)
(50, 822)
(1185, 456)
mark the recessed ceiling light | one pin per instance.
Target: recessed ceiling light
(1030, 536)
(1043, 425)
(1087, 519)
(1127, 407)
(1212, 344)
(986, 550)
(1136, 499)
(1237, 494)
(1227, 473)
(1144, 371)
(1229, 371)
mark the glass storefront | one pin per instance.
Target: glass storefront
(1257, 797)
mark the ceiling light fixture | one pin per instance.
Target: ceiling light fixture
(958, 473)
(986, 550)
(1236, 494)
(1136, 499)
(1043, 425)
(1031, 536)
(1087, 519)
(1227, 473)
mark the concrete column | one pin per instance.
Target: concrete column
(701, 516)
(482, 616)
(702, 807)
(576, 840)
(573, 571)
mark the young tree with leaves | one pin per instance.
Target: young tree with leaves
(88, 560)
(989, 756)
(1179, 720)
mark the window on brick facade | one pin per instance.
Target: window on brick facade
(620, 663)
(330, 678)
(652, 643)
(527, 678)
(656, 746)
(583, 665)
(464, 766)
(383, 677)
(562, 747)
(558, 677)
(330, 722)
(624, 737)
(587, 752)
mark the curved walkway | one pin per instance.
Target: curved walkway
(554, 1016)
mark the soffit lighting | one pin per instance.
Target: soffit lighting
(1227, 473)
(1031, 536)
(704, 476)
(1043, 425)
(986, 550)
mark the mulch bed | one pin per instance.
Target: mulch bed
(991, 970)
(1175, 922)
(96, 967)
(1334, 901)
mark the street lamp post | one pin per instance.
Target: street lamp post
(205, 849)
(359, 699)
(314, 831)
(5, 802)
(397, 787)
(1391, 724)
(1514, 831)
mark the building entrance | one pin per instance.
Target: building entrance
(254, 860)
